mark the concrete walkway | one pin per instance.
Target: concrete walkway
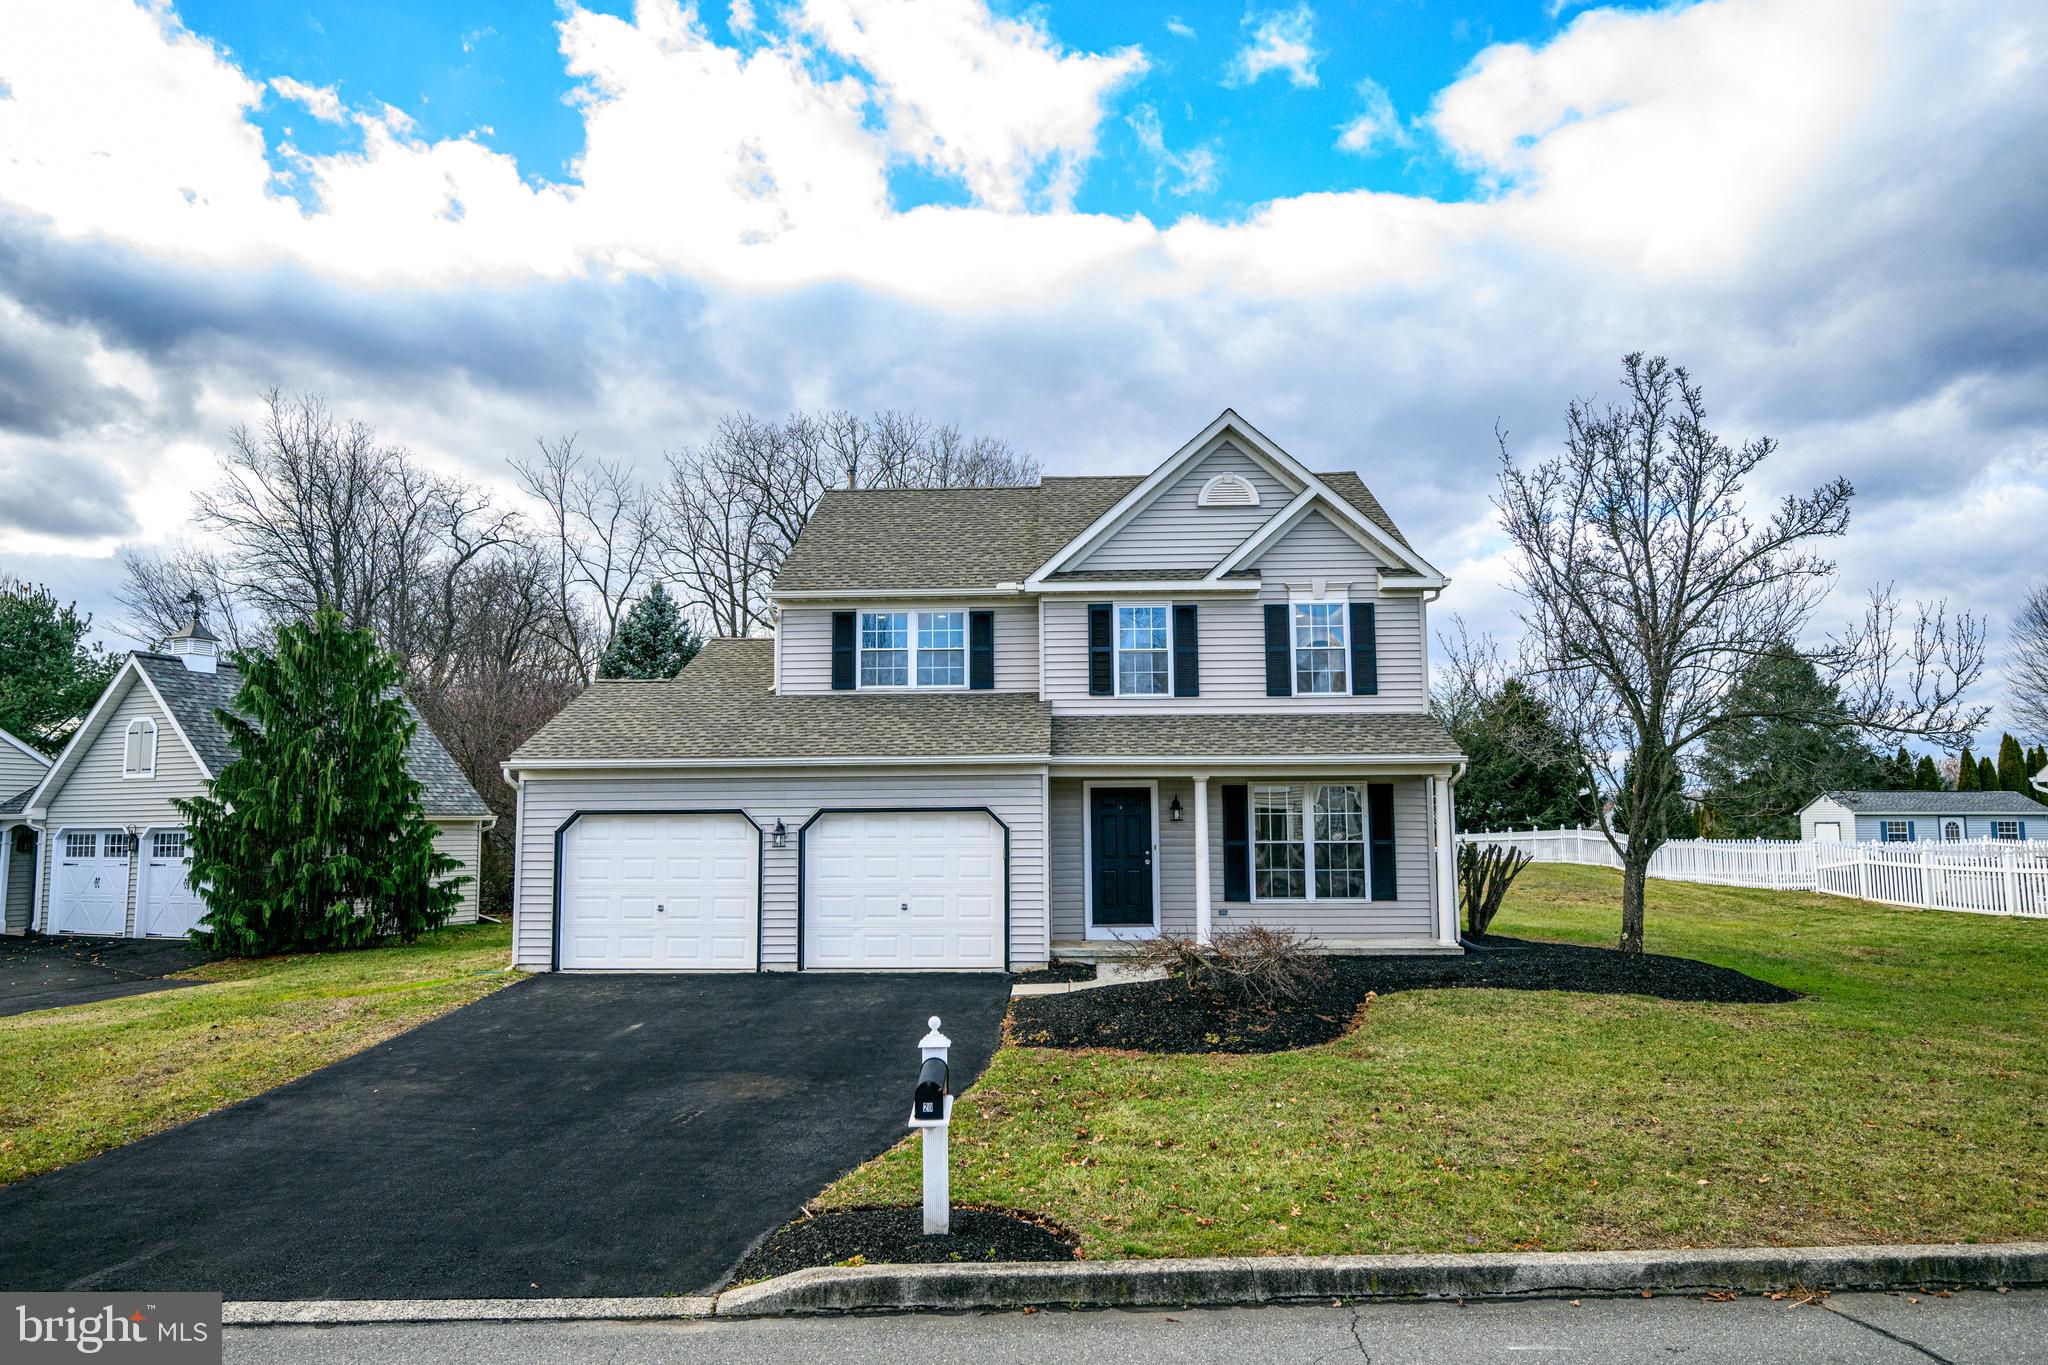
(1879, 1328)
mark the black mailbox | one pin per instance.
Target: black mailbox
(929, 1105)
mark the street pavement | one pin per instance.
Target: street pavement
(1977, 1327)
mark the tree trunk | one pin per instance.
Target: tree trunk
(1635, 875)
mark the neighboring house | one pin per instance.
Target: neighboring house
(1904, 817)
(21, 772)
(113, 850)
(998, 724)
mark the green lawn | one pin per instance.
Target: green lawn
(78, 1080)
(1906, 1100)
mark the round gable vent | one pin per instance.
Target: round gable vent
(1228, 490)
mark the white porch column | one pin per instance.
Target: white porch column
(1201, 859)
(1446, 863)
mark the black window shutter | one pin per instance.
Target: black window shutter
(1187, 653)
(1279, 657)
(1365, 651)
(981, 650)
(1101, 650)
(1379, 813)
(1237, 842)
(842, 651)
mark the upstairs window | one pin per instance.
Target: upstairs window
(1141, 652)
(913, 649)
(138, 754)
(1321, 648)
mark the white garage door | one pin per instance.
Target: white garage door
(920, 889)
(648, 892)
(89, 884)
(170, 907)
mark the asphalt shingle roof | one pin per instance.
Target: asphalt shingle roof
(194, 698)
(1342, 734)
(890, 539)
(17, 803)
(1939, 803)
(724, 706)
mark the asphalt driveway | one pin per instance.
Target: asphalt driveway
(43, 971)
(568, 1135)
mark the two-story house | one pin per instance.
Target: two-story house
(998, 724)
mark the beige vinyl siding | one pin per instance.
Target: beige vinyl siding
(21, 880)
(1405, 920)
(792, 796)
(462, 840)
(1315, 548)
(94, 795)
(1171, 532)
(18, 771)
(806, 642)
(1233, 659)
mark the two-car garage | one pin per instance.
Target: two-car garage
(875, 889)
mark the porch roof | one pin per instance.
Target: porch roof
(1362, 735)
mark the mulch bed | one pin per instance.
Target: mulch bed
(1161, 1016)
(1060, 971)
(896, 1237)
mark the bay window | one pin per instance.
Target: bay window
(913, 648)
(1308, 843)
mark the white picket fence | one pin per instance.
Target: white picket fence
(1979, 876)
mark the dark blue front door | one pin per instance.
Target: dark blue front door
(1120, 846)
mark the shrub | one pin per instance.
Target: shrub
(1254, 965)
(1485, 872)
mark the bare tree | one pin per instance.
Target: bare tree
(601, 535)
(2026, 673)
(1648, 591)
(155, 587)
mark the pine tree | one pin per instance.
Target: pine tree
(653, 640)
(1987, 775)
(2037, 762)
(2012, 766)
(1966, 772)
(1898, 775)
(312, 836)
(1926, 777)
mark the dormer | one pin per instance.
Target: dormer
(193, 644)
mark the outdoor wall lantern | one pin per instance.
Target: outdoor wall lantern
(779, 836)
(1173, 811)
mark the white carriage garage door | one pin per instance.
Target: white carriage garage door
(904, 889)
(89, 883)
(660, 892)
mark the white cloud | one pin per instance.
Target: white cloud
(995, 101)
(739, 16)
(1375, 126)
(320, 101)
(1279, 40)
(1177, 173)
(1179, 27)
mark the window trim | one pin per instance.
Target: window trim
(128, 738)
(1295, 602)
(1884, 831)
(1951, 831)
(1116, 648)
(1309, 789)
(914, 616)
(2004, 820)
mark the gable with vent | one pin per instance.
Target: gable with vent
(1198, 517)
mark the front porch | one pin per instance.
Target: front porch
(1358, 857)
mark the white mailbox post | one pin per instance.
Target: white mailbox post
(931, 1109)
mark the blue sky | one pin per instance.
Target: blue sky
(456, 68)
(1085, 229)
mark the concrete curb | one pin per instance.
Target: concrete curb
(358, 1312)
(1294, 1279)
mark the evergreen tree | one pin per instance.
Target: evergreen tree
(2037, 762)
(1898, 773)
(2012, 766)
(1966, 771)
(49, 675)
(1987, 775)
(1759, 770)
(653, 640)
(1927, 777)
(1521, 768)
(312, 836)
